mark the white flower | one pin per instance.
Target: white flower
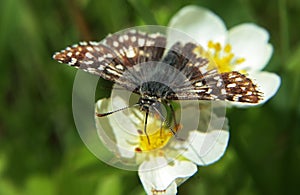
(162, 161)
(243, 48)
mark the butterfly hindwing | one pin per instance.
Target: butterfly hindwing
(204, 82)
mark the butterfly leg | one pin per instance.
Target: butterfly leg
(161, 127)
(145, 126)
(173, 114)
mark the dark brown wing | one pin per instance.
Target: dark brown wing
(111, 57)
(204, 82)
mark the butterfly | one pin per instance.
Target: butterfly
(140, 62)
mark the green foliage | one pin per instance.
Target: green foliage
(40, 149)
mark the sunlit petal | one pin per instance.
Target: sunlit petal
(206, 148)
(250, 42)
(163, 177)
(199, 23)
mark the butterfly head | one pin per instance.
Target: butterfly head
(152, 93)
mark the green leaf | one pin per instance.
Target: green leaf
(7, 188)
(37, 185)
(110, 184)
(294, 61)
(143, 11)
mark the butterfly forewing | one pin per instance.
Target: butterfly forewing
(113, 56)
(135, 47)
(92, 57)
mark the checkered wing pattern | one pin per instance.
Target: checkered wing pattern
(120, 52)
(110, 58)
(204, 82)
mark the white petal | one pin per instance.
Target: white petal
(156, 177)
(250, 41)
(120, 125)
(267, 82)
(206, 148)
(199, 23)
(171, 190)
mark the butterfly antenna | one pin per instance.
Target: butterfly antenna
(109, 113)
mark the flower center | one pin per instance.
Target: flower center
(223, 57)
(156, 140)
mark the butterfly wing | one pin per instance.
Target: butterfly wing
(203, 81)
(114, 55)
(119, 53)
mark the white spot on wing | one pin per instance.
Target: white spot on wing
(154, 36)
(219, 83)
(73, 61)
(130, 53)
(199, 84)
(89, 48)
(150, 43)
(115, 43)
(112, 71)
(120, 67)
(120, 39)
(89, 55)
(109, 55)
(89, 62)
(94, 43)
(238, 79)
(126, 37)
(133, 38)
(235, 98)
(231, 85)
(223, 91)
(83, 43)
(141, 42)
(101, 67)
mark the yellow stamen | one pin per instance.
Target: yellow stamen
(157, 140)
(218, 47)
(210, 45)
(240, 60)
(223, 58)
(227, 48)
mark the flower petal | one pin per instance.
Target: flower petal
(250, 41)
(267, 82)
(171, 190)
(119, 123)
(199, 23)
(163, 177)
(206, 148)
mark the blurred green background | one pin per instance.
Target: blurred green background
(40, 149)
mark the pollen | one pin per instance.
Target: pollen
(157, 140)
(224, 58)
